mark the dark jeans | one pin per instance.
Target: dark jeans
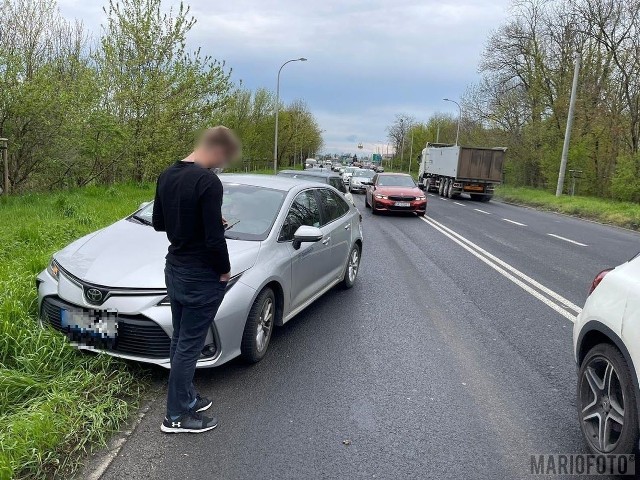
(195, 294)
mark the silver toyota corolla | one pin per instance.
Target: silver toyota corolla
(289, 241)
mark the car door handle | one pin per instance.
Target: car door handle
(347, 226)
(326, 240)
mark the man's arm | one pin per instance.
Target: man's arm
(211, 206)
(157, 219)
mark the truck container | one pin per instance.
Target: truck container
(452, 170)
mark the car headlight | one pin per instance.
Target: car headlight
(53, 268)
(380, 196)
(420, 199)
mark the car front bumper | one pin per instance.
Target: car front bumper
(384, 204)
(144, 327)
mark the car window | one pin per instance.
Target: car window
(395, 181)
(333, 205)
(304, 211)
(338, 184)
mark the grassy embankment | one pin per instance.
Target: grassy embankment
(55, 403)
(622, 214)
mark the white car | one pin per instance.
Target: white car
(606, 339)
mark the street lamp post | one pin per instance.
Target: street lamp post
(275, 143)
(459, 117)
(4, 147)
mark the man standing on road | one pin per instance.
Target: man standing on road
(188, 207)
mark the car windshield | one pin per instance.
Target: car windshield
(395, 181)
(364, 173)
(249, 210)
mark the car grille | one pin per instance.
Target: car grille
(137, 335)
(401, 198)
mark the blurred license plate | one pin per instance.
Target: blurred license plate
(475, 188)
(95, 323)
(403, 204)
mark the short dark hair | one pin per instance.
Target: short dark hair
(221, 136)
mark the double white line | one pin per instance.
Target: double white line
(547, 296)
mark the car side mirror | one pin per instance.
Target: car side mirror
(306, 233)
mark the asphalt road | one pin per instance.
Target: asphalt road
(435, 365)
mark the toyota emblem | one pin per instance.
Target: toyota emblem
(94, 295)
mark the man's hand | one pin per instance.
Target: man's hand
(225, 277)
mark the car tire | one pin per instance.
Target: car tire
(366, 201)
(261, 316)
(595, 402)
(352, 268)
(373, 207)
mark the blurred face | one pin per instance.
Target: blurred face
(214, 156)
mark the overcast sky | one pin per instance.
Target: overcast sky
(368, 59)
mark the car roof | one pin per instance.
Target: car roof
(267, 181)
(313, 173)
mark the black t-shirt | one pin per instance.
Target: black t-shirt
(188, 207)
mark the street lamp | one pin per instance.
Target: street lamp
(459, 117)
(275, 146)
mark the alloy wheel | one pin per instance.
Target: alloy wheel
(354, 264)
(265, 324)
(602, 404)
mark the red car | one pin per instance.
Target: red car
(395, 192)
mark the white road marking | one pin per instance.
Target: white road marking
(481, 211)
(431, 194)
(442, 198)
(528, 284)
(567, 240)
(458, 203)
(514, 222)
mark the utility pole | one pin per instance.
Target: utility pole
(459, 117)
(411, 152)
(4, 146)
(567, 132)
(402, 149)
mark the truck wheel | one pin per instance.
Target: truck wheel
(441, 187)
(450, 189)
(420, 183)
(427, 186)
(485, 198)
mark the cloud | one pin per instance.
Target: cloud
(368, 59)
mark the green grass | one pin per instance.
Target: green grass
(622, 214)
(56, 404)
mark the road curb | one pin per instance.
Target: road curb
(537, 209)
(99, 463)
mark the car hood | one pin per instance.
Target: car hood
(408, 191)
(129, 255)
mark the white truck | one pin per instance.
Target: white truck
(452, 170)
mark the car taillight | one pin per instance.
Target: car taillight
(598, 279)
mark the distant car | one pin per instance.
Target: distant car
(360, 179)
(378, 169)
(320, 176)
(607, 351)
(336, 166)
(395, 192)
(346, 176)
(289, 242)
(310, 163)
